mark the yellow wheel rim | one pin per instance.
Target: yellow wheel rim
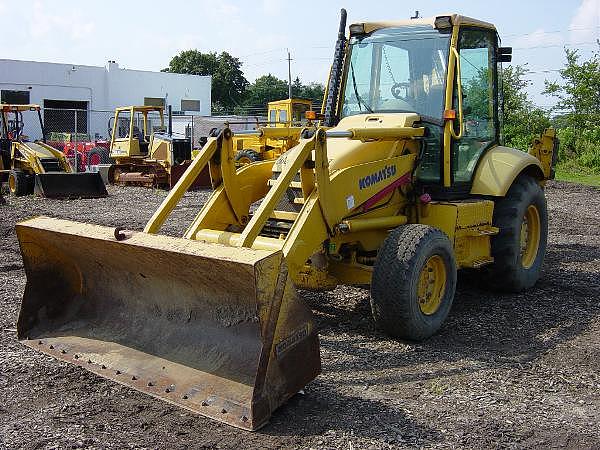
(12, 183)
(432, 285)
(530, 236)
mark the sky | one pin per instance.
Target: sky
(145, 35)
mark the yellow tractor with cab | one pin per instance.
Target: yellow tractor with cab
(146, 153)
(403, 183)
(34, 166)
(289, 114)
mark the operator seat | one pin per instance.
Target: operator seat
(140, 137)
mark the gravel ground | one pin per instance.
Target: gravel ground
(506, 370)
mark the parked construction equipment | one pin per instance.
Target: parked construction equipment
(289, 114)
(35, 166)
(78, 146)
(148, 157)
(405, 183)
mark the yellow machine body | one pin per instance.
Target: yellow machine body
(44, 169)
(288, 117)
(123, 148)
(145, 156)
(211, 321)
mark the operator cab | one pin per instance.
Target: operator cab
(404, 67)
(131, 129)
(288, 112)
(11, 129)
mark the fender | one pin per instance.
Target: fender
(499, 167)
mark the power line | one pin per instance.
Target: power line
(273, 50)
(552, 31)
(556, 45)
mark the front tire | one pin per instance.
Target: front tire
(18, 183)
(520, 246)
(413, 284)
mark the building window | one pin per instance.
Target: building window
(59, 116)
(154, 101)
(15, 97)
(190, 105)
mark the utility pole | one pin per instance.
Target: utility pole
(289, 59)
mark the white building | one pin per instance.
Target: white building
(61, 88)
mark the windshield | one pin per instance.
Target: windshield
(397, 70)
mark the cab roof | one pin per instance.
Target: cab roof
(18, 108)
(140, 108)
(456, 19)
(287, 101)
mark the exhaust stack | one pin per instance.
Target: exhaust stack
(335, 77)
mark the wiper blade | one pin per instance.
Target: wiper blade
(358, 97)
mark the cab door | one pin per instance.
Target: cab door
(478, 77)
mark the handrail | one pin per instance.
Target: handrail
(460, 98)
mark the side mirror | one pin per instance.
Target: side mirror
(504, 54)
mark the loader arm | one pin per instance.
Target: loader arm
(32, 153)
(326, 196)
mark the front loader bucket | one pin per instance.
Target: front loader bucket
(211, 328)
(70, 185)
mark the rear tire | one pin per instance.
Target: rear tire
(413, 284)
(19, 183)
(520, 246)
(247, 156)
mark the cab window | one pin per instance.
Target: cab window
(479, 89)
(283, 115)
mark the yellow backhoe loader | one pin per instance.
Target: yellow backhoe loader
(34, 166)
(289, 114)
(403, 183)
(145, 153)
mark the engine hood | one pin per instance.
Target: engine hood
(344, 152)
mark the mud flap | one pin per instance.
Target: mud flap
(69, 185)
(214, 329)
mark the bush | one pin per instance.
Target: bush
(589, 155)
(580, 148)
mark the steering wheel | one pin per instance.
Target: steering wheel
(397, 89)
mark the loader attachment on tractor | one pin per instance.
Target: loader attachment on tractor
(215, 330)
(397, 188)
(70, 185)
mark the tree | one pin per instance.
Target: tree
(578, 93)
(313, 91)
(522, 120)
(297, 88)
(265, 89)
(228, 81)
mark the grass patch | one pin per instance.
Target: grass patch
(577, 174)
(437, 387)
